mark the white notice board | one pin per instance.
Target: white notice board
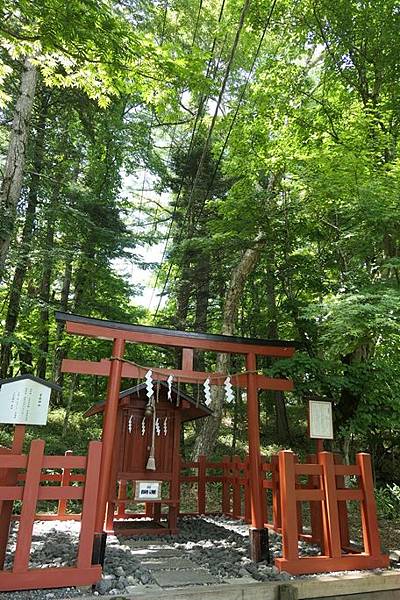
(148, 490)
(320, 420)
(24, 402)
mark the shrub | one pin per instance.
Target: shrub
(388, 501)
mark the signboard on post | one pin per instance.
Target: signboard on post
(320, 420)
(25, 400)
(148, 490)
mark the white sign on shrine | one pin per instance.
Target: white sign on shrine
(320, 420)
(24, 402)
(148, 490)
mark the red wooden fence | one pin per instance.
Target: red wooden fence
(320, 482)
(233, 481)
(83, 573)
(64, 478)
(331, 495)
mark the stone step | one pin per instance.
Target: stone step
(178, 579)
(147, 544)
(155, 553)
(168, 564)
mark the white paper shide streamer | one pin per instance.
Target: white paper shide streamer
(228, 390)
(165, 426)
(157, 426)
(207, 391)
(130, 424)
(149, 383)
(143, 425)
(169, 381)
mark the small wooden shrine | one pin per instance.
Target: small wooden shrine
(146, 458)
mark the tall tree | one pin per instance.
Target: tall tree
(11, 185)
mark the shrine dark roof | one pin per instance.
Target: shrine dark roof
(195, 411)
(49, 384)
(73, 318)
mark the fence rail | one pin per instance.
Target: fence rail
(20, 576)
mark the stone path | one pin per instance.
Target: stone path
(206, 551)
(168, 566)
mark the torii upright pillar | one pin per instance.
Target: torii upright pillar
(109, 428)
(259, 549)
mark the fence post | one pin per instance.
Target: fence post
(122, 497)
(332, 528)
(276, 500)
(9, 477)
(110, 514)
(29, 502)
(315, 507)
(201, 485)
(287, 479)
(236, 510)
(229, 484)
(65, 480)
(247, 492)
(298, 504)
(225, 486)
(342, 506)
(369, 519)
(88, 518)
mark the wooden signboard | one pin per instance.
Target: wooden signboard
(320, 420)
(148, 490)
(24, 402)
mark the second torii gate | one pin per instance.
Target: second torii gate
(116, 368)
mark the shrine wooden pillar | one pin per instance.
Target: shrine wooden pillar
(258, 533)
(109, 428)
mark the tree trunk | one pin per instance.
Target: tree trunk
(207, 438)
(72, 389)
(59, 352)
(281, 418)
(24, 246)
(351, 395)
(202, 290)
(235, 424)
(183, 294)
(84, 277)
(25, 359)
(44, 295)
(15, 162)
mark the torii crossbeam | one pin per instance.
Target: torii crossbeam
(115, 368)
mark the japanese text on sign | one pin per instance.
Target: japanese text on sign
(24, 402)
(320, 420)
(148, 490)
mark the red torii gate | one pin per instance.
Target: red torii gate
(115, 368)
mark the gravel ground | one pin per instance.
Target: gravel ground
(217, 544)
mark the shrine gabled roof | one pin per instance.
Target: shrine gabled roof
(200, 409)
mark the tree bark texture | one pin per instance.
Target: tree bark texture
(21, 268)
(73, 388)
(44, 296)
(59, 352)
(281, 418)
(207, 438)
(202, 294)
(10, 190)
